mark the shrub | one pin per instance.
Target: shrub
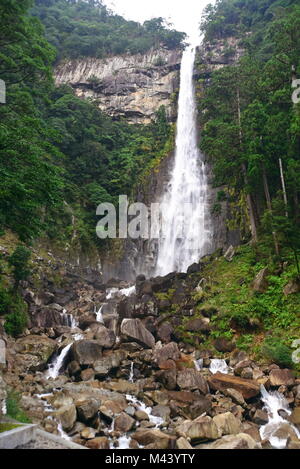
(13, 407)
(19, 262)
(278, 352)
(17, 319)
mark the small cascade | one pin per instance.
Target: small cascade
(131, 376)
(274, 402)
(157, 421)
(199, 364)
(58, 363)
(99, 315)
(218, 366)
(69, 320)
(62, 433)
(116, 293)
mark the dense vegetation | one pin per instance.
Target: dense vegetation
(88, 28)
(251, 125)
(251, 129)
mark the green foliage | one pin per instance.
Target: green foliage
(17, 319)
(19, 261)
(81, 29)
(277, 351)
(13, 407)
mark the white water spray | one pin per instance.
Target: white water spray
(185, 232)
(274, 403)
(56, 366)
(218, 366)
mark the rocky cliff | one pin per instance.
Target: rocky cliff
(130, 86)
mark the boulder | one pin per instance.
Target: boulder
(236, 396)
(86, 352)
(87, 409)
(182, 443)
(146, 437)
(67, 416)
(105, 337)
(140, 415)
(87, 375)
(199, 430)
(88, 433)
(46, 318)
(162, 353)
(292, 288)
(227, 424)
(240, 441)
(295, 417)
(164, 332)
(260, 417)
(98, 443)
(280, 377)
(167, 378)
(162, 411)
(248, 388)
(123, 423)
(134, 330)
(261, 283)
(36, 351)
(229, 254)
(192, 380)
(106, 364)
(198, 325)
(199, 407)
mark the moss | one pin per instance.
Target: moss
(14, 409)
(6, 427)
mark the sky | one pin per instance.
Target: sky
(184, 14)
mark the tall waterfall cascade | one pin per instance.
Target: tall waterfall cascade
(185, 225)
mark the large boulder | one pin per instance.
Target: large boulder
(87, 409)
(46, 318)
(105, 337)
(280, 377)
(162, 353)
(240, 441)
(248, 388)
(123, 423)
(67, 416)
(86, 352)
(192, 380)
(199, 430)
(227, 424)
(106, 364)
(35, 351)
(133, 329)
(156, 437)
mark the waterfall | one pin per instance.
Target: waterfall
(185, 227)
(56, 366)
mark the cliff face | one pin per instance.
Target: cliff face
(130, 86)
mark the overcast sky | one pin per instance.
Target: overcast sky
(184, 14)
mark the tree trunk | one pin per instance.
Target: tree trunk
(269, 205)
(250, 203)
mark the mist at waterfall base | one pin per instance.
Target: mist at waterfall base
(187, 236)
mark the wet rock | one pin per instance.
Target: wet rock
(86, 352)
(98, 443)
(124, 423)
(248, 388)
(280, 377)
(146, 437)
(227, 424)
(260, 417)
(140, 415)
(199, 430)
(295, 417)
(133, 329)
(192, 380)
(87, 409)
(261, 283)
(240, 441)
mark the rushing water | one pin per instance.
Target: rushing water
(218, 366)
(185, 228)
(56, 366)
(274, 402)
